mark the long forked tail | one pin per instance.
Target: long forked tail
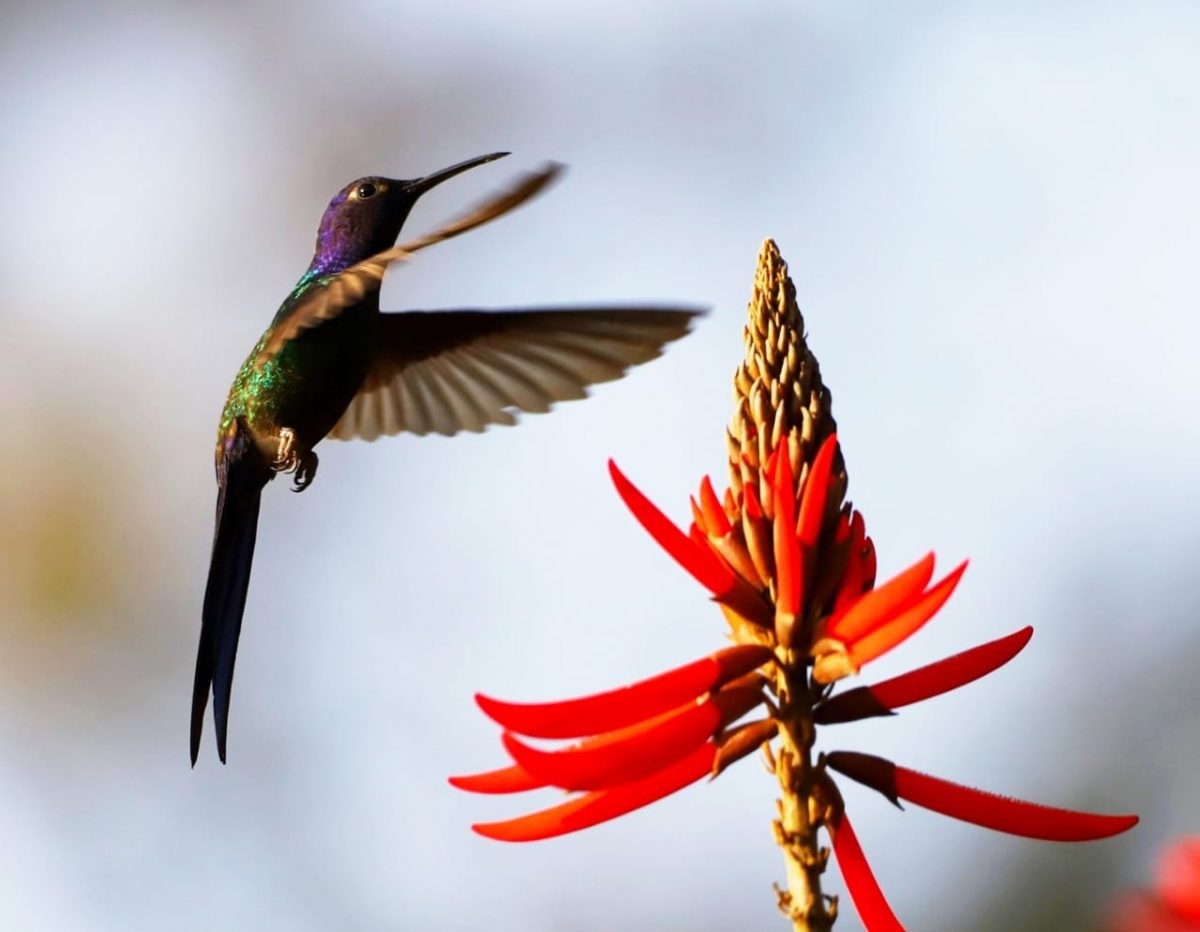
(241, 476)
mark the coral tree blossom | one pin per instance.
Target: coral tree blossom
(1172, 904)
(792, 568)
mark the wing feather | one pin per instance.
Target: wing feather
(464, 406)
(450, 371)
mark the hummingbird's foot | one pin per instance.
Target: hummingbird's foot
(287, 457)
(290, 458)
(305, 472)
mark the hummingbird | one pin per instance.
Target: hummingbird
(331, 364)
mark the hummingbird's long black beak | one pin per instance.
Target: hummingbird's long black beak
(421, 185)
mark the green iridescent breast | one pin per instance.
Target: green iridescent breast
(258, 388)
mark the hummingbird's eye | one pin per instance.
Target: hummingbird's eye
(365, 190)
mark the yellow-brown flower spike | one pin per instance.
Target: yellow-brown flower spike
(778, 392)
(781, 404)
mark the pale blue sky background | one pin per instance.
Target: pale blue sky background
(990, 214)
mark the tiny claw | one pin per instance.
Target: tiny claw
(306, 471)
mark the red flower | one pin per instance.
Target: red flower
(648, 740)
(1173, 904)
(793, 571)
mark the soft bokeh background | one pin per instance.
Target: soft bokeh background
(990, 211)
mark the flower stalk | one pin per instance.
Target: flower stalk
(801, 810)
(780, 403)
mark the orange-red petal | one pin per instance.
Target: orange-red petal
(872, 906)
(923, 683)
(891, 632)
(753, 508)
(816, 491)
(701, 562)
(619, 708)
(516, 779)
(788, 568)
(1001, 813)
(851, 586)
(513, 779)
(730, 505)
(880, 605)
(612, 763)
(594, 808)
(714, 514)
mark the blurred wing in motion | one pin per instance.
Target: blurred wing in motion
(449, 371)
(348, 287)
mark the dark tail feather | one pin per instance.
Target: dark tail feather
(240, 481)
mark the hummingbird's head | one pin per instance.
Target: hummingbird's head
(366, 216)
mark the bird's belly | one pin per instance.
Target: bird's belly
(321, 370)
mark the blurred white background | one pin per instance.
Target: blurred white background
(990, 212)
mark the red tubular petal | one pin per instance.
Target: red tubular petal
(880, 605)
(873, 908)
(733, 662)
(735, 553)
(594, 808)
(506, 780)
(842, 534)
(740, 595)
(783, 488)
(697, 517)
(613, 763)
(693, 554)
(869, 565)
(788, 569)
(923, 683)
(730, 505)
(851, 586)
(699, 561)
(895, 630)
(753, 508)
(629, 705)
(1177, 877)
(714, 514)
(757, 535)
(816, 491)
(1000, 813)
(858, 529)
